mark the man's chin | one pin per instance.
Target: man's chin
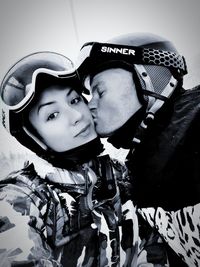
(104, 133)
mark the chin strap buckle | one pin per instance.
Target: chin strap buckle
(139, 135)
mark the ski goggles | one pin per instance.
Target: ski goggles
(19, 85)
(94, 54)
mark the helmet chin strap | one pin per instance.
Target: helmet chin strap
(37, 140)
(155, 100)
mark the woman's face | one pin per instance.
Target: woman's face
(62, 118)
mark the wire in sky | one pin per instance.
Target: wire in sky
(74, 21)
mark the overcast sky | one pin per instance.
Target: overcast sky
(62, 26)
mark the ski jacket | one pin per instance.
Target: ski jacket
(166, 171)
(73, 218)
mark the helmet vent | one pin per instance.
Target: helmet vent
(160, 77)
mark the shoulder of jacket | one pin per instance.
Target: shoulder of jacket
(192, 91)
(25, 184)
(188, 102)
(25, 181)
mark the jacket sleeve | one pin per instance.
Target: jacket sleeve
(149, 248)
(22, 230)
(180, 229)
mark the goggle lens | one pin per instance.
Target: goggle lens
(18, 86)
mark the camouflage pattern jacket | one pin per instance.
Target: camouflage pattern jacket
(73, 218)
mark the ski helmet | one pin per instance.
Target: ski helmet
(19, 88)
(156, 65)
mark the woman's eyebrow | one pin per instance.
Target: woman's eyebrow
(70, 91)
(52, 102)
(45, 104)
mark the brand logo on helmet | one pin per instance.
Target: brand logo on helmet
(124, 51)
(3, 118)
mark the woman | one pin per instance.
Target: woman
(81, 213)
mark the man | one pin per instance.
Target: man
(139, 103)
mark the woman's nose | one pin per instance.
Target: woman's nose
(74, 115)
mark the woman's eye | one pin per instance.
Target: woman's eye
(76, 100)
(52, 116)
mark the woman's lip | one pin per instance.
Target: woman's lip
(83, 130)
(94, 115)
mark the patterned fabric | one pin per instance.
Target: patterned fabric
(73, 219)
(180, 229)
(166, 170)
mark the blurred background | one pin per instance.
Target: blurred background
(28, 26)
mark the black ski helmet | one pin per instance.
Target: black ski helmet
(18, 90)
(154, 61)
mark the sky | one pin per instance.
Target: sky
(63, 26)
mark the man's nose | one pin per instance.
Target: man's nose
(93, 104)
